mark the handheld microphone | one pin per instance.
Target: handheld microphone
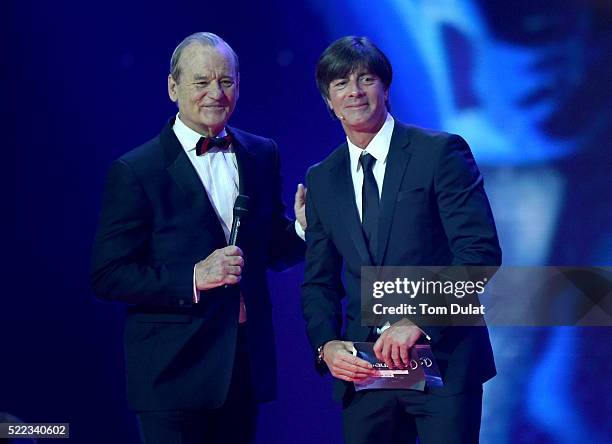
(241, 209)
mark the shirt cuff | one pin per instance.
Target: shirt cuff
(299, 230)
(196, 292)
(380, 330)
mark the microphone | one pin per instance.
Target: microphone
(241, 209)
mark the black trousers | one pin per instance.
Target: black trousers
(233, 422)
(399, 416)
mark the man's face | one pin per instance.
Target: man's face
(207, 88)
(359, 101)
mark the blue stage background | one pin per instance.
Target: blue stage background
(526, 83)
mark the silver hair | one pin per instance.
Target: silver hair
(204, 39)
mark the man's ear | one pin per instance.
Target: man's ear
(172, 92)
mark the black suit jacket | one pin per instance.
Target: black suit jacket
(156, 223)
(434, 212)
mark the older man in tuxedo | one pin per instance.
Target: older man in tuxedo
(198, 337)
(401, 196)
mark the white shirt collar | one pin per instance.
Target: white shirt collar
(188, 137)
(378, 146)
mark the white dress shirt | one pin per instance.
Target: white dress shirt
(379, 149)
(218, 171)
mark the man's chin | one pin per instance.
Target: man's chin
(360, 123)
(216, 124)
(365, 122)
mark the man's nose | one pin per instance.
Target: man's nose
(355, 88)
(214, 89)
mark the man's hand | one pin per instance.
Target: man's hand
(394, 343)
(343, 365)
(299, 206)
(223, 266)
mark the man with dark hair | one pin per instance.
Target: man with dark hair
(402, 196)
(198, 339)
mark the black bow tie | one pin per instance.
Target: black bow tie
(206, 143)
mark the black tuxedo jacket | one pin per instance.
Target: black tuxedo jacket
(434, 212)
(156, 223)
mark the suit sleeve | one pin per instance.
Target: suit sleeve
(322, 288)
(120, 266)
(464, 208)
(464, 211)
(286, 247)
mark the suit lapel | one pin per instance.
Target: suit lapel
(345, 196)
(185, 176)
(397, 160)
(244, 159)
